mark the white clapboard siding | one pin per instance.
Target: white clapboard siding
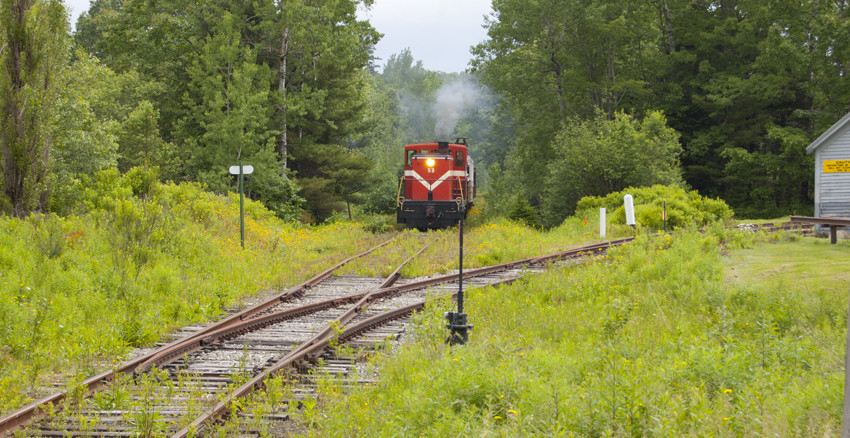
(832, 190)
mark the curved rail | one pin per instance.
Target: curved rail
(293, 358)
(31, 412)
(312, 349)
(237, 328)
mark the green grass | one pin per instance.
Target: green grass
(78, 293)
(809, 265)
(659, 338)
(140, 259)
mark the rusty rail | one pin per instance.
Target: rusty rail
(312, 349)
(31, 412)
(246, 320)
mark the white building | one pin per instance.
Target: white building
(832, 170)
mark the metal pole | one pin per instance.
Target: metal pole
(241, 210)
(457, 321)
(460, 268)
(845, 421)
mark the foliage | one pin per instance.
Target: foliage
(599, 156)
(140, 143)
(747, 84)
(334, 177)
(252, 82)
(521, 211)
(649, 340)
(84, 139)
(553, 60)
(741, 86)
(34, 41)
(135, 260)
(377, 223)
(684, 208)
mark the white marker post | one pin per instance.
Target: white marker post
(602, 223)
(630, 210)
(241, 171)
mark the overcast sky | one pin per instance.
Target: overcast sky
(438, 32)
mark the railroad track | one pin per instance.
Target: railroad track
(42, 408)
(178, 388)
(181, 388)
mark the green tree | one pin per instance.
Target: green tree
(600, 156)
(84, 141)
(228, 117)
(335, 178)
(318, 49)
(155, 40)
(383, 143)
(34, 48)
(240, 77)
(552, 60)
(415, 88)
(140, 143)
(747, 83)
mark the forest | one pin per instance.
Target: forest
(565, 99)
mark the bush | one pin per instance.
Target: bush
(380, 223)
(599, 156)
(521, 211)
(684, 208)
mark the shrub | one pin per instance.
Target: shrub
(684, 208)
(598, 156)
(521, 211)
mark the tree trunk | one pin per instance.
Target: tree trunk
(34, 55)
(559, 83)
(668, 26)
(281, 88)
(14, 137)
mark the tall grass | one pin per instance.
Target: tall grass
(658, 338)
(78, 293)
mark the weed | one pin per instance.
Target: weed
(663, 337)
(139, 259)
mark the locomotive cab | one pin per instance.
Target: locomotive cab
(437, 186)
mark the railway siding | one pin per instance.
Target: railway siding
(285, 335)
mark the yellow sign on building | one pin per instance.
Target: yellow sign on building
(836, 166)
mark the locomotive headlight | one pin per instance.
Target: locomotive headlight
(430, 162)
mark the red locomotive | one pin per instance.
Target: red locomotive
(438, 185)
